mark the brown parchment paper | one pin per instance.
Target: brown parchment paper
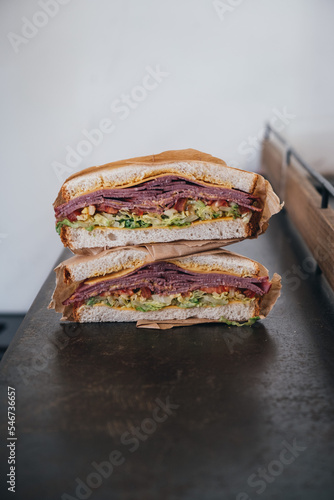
(159, 251)
(271, 203)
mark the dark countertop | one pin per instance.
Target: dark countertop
(9, 324)
(241, 397)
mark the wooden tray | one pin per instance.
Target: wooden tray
(302, 201)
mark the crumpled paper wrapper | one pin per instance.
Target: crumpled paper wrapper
(271, 203)
(160, 251)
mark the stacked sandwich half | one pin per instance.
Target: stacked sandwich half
(148, 233)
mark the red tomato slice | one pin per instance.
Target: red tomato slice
(180, 205)
(73, 216)
(146, 292)
(222, 203)
(126, 291)
(109, 210)
(219, 203)
(138, 211)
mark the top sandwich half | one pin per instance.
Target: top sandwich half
(176, 195)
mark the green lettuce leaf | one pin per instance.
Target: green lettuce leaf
(197, 298)
(93, 300)
(152, 306)
(75, 224)
(250, 322)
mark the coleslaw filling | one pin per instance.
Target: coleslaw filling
(142, 300)
(193, 210)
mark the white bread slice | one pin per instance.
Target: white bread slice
(234, 311)
(224, 229)
(224, 262)
(189, 163)
(78, 269)
(81, 268)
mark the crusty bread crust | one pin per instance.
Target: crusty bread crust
(234, 311)
(220, 229)
(188, 163)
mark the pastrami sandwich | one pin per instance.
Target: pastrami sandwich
(127, 285)
(176, 195)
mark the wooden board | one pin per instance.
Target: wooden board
(303, 202)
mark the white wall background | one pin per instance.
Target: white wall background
(226, 77)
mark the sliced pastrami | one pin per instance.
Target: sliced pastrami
(155, 196)
(165, 278)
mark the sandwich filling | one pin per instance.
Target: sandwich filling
(167, 201)
(163, 284)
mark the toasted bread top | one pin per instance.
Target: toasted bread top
(189, 164)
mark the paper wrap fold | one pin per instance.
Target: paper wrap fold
(160, 251)
(271, 203)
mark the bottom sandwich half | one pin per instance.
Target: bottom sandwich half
(127, 285)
